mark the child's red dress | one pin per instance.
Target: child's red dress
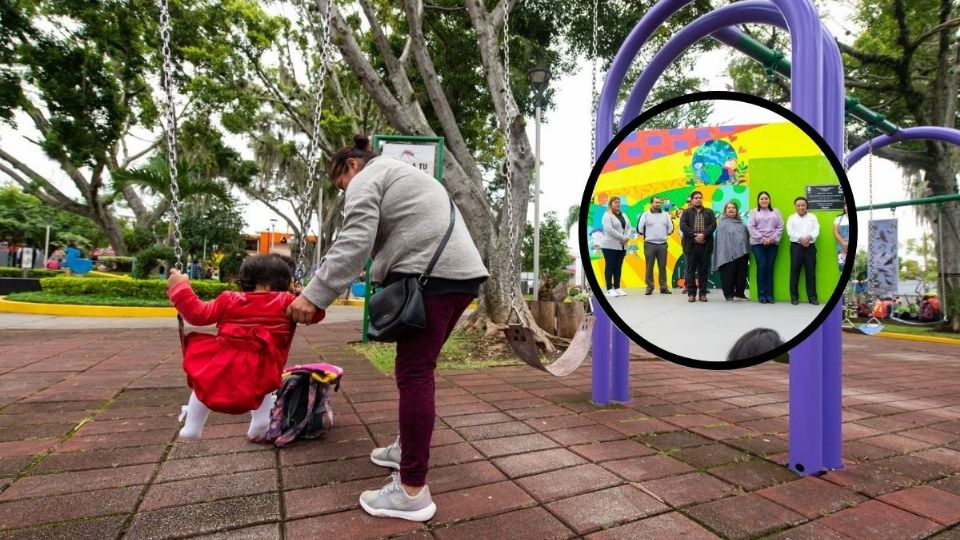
(232, 371)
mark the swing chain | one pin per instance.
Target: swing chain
(593, 87)
(510, 115)
(313, 155)
(870, 171)
(170, 129)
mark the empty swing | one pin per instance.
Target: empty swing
(873, 326)
(517, 333)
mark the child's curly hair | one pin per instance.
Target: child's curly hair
(271, 269)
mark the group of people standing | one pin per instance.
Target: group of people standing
(728, 240)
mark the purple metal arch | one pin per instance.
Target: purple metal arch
(748, 11)
(600, 369)
(815, 384)
(934, 133)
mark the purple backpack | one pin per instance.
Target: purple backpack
(302, 409)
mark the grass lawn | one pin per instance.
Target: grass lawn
(890, 327)
(41, 297)
(461, 351)
(917, 331)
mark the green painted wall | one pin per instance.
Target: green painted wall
(786, 179)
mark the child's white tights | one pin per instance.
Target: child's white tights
(196, 414)
(260, 418)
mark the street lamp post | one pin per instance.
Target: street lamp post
(273, 224)
(539, 77)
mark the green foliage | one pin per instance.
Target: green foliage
(149, 258)
(117, 264)
(139, 238)
(24, 219)
(155, 289)
(33, 273)
(220, 224)
(554, 255)
(230, 264)
(44, 297)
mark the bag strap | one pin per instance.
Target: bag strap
(422, 280)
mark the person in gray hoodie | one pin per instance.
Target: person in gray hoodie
(398, 215)
(655, 226)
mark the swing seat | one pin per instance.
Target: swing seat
(872, 327)
(522, 342)
(905, 322)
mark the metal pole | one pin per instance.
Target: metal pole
(942, 293)
(46, 244)
(536, 208)
(204, 257)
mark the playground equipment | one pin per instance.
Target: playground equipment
(170, 130)
(817, 96)
(75, 263)
(517, 333)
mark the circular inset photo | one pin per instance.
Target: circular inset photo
(716, 229)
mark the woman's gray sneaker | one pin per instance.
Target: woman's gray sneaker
(392, 501)
(388, 456)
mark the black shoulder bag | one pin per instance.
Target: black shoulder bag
(397, 309)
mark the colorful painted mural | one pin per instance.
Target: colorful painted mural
(671, 163)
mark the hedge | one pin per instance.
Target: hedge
(9, 271)
(118, 264)
(155, 289)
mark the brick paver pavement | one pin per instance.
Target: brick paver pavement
(88, 450)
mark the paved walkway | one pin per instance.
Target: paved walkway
(664, 320)
(88, 450)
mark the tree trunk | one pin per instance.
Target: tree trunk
(545, 315)
(941, 180)
(113, 231)
(569, 318)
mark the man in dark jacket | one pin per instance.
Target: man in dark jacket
(697, 224)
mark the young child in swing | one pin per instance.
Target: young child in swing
(237, 370)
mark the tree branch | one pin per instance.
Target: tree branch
(441, 105)
(497, 17)
(392, 109)
(130, 159)
(40, 187)
(865, 57)
(398, 75)
(952, 23)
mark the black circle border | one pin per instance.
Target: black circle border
(715, 95)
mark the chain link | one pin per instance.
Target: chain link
(170, 128)
(593, 87)
(313, 155)
(870, 171)
(510, 114)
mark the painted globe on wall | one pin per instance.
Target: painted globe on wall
(714, 162)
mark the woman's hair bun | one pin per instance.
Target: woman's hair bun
(361, 142)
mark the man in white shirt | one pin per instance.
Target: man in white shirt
(803, 229)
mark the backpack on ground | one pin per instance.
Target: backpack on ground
(302, 409)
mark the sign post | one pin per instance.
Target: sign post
(422, 152)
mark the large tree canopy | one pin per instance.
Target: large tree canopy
(81, 75)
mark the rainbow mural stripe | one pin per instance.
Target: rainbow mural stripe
(721, 162)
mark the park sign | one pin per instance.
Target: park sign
(424, 153)
(829, 197)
